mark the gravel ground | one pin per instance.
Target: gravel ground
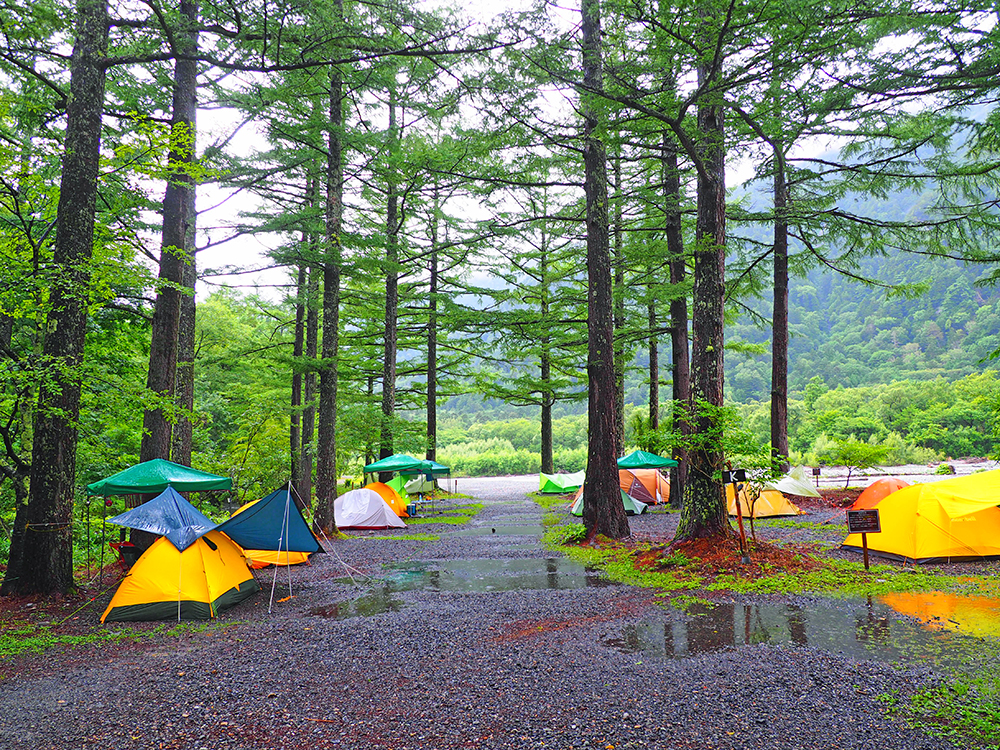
(448, 666)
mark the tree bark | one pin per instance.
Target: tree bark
(47, 560)
(298, 349)
(619, 306)
(432, 334)
(183, 432)
(704, 511)
(391, 297)
(175, 251)
(303, 482)
(779, 323)
(326, 458)
(603, 512)
(680, 366)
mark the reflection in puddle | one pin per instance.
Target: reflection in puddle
(491, 575)
(470, 576)
(375, 603)
(863, 629)
(535, 531)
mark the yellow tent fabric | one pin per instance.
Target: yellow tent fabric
(209, 576)
(261, 558)
(770, 503)
(877, 491)
(391, 497)
(952, 519)
(646, 485)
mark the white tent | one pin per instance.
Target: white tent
(794, 483)
(364, 509)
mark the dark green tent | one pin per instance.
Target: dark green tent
(399, 462)
(645, 460)
(155, 476)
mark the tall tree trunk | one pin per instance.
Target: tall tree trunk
(298, 349)
(548, 464)
(326, 457)
(391, 296)
(654, 364)
(704, 511)
(15, 469)
(680, 366)
(175, 251)
(47, 560)
(303, 481)
(432, 334)
(603, 512)
(619, 306)
(183, 432)
(779, 323)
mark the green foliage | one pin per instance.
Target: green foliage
(569, 533)
(964, 712)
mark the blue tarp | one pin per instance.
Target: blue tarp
(170, 515)
(272, 523)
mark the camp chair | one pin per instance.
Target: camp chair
(128, 553)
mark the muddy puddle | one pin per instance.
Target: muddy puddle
(468, 576)
(943, 630)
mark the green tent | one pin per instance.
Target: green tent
(428, 467)
(398, 462)
(632, 507)
(155, 476)
(399, 484)
(560, 484)
(645, 460)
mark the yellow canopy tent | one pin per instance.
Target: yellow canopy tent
(953, 519)
(770, 503)
(209, 576)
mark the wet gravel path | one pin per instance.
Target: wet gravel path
(443, 665)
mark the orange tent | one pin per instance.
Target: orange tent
(877, 490)
(391, 497)
(645, 485)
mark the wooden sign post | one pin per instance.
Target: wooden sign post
(734, 477)
(864, 522)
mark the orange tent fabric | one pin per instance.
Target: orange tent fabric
(391, 497)
(877, 491)
(645, 485)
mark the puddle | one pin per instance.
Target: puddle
(858, 628)
(535, 531)
(491, 575)
(376, 603)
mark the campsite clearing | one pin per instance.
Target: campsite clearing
(463, 631)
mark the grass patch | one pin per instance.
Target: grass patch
(964, 712)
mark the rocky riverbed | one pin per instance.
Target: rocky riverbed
(480, 638)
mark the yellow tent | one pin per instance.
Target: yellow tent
(391, 497)
(207, 577)
(952, 519)
(770, 503)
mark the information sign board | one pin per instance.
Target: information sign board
(863, 521)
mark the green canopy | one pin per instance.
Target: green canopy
(644, 460)
(428, 467)
(399, 462)
(155, 476)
